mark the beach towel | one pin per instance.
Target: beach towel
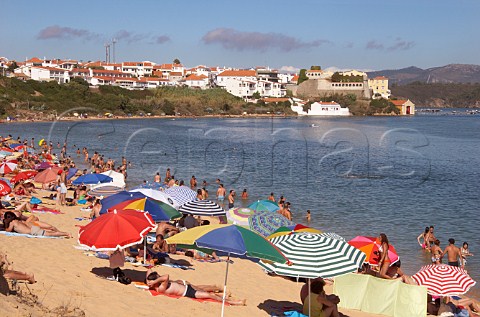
(35, 201)
(178, 266)
(82, 218)
(43, 210)
(201, 300)
(14, 234)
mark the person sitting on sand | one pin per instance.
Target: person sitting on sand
(13, 224)
(6, 272)
(95, 212)
(163, 284)
(318, 303)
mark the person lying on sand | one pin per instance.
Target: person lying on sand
(11, 274)
(13, 224)
(472, 305)
(199, 255)
(163, 284)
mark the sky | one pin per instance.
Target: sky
(286, 35)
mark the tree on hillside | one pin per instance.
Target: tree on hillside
(302, 76)
(256, 95)
(176, 61)
(12, 66)
(316, 67)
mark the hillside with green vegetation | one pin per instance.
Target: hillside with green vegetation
(451, 95)
(32, 99)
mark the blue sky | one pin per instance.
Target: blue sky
(344, 34)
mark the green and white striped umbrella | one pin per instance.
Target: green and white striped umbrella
(314, 256)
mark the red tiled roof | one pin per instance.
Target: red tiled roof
(196, 77)
(380, 78)
(176, 74)
(295, 78)
(238, 73)
(398, 102)
(34, 60)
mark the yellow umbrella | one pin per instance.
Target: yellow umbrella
(41, 142)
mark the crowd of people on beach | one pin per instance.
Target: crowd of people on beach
(17, 214)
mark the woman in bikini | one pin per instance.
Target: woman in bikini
(384, 262)
(424, 236)
(437, 252)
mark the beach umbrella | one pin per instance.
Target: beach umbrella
(265, 223)
(105, 191)
(156, 194)
(5, 189)
(48, 175)
(115, 199)
(14, 145)
(116, 230)
(239, 216)
(313, 255)
(42, 166)
(5, 153)
(444, 280)
(264, 205)
(6, 180)
(6, 149)
(332, 235)
(24, 175)
(231, 239)
(369, 246)
(159, 211)
(181, 194)
(7, 167)
(71, 172)
(202, 208)
(92, 179)
(294, 228)
(41, 142)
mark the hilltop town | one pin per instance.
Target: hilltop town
(260, 85)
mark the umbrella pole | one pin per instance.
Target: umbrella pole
(309, 300)
(225, 286)
(145, 250)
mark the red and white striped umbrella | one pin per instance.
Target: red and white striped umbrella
(7, 167)
(444, 280)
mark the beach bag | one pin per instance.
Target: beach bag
(120, 276)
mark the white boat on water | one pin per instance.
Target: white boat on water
(321, 109)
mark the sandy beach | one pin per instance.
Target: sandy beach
(68, 285)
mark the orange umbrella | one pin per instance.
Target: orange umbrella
(369, 246)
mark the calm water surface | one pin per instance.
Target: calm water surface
(358, 175)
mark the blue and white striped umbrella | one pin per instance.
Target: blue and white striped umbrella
(181, 194)
(202, 208)
(314, 256)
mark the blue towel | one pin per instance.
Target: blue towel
(14, 234)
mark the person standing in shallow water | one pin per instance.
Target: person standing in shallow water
(231, 199)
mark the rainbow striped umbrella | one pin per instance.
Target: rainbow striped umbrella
(290, 229)
(265, 223)
(444, 280)
(239, 216)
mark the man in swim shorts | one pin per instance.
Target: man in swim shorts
(221, 194)
(163, 284)
(454, 254)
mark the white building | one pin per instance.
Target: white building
(138, 69)
(197, 81)
(41, 73)
(321, 109)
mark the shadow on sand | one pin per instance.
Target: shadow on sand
(277, 308)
